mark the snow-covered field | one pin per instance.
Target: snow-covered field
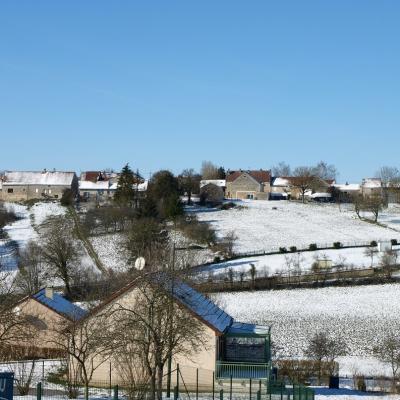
(262, 225)
(295, 262)
(360, 316)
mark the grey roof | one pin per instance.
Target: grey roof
(38, 178)
(241, 328)
(204, 308)
(60, 304)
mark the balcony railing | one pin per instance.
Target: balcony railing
(228, 370)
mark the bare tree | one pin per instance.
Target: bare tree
(189, 182)
(370, 252)
(209, 170)
(228, 243)
(304, 180)
(60, 251)
(81, 339)
(281, 169)
(390, 179)
(152, 328)
(388, 262)
(388, 351)
(324, 348)
(32, 275)
(325, 171)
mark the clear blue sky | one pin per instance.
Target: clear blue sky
(167, 84)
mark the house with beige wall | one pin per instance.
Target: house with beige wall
(31, 185)
(229, 348)
(254, 184)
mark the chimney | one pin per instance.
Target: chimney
(49, 292)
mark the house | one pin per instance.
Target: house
(31, 185)
(371, 187)
(45, 311)
(95, 191)
(231, 348)
(248, 184)
(290, 187)
(346, 192)
(212, 191)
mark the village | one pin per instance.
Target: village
(243, 284)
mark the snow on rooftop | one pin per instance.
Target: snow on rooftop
(280, 182)
(372, 183)
(38, 178)
(347, 187)
(99, 185)
(216, 182)
(60, 304)
(242, 328)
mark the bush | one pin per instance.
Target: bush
(67, 198)
(337, 245)
(293, 249)
(227, 206)
(373, 243)
(313, 247)
(282, 250)
(217, 259)
(394, 242)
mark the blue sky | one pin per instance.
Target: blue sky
(167, 84)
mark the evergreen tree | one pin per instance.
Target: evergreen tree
(125, 193)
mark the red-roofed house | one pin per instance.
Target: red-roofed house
(248, 184)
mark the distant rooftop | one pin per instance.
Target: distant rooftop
(38, 178)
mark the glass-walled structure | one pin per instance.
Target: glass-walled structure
(243, 352)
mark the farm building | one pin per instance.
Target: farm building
(30, 185)
(248, 185)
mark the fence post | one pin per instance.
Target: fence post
(176, 393)
(230, 389)
(221, 394)
(197, 384)
(39, 391)
(116, 392)
(177, 378)
(86, 392)
(213, 385)
(258, 395)
(250, 390)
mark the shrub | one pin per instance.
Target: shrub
(313, 246)
(373, 243)
(394, 242)
(227, 206)
(67, 198)
(337, 245)
(293, 249)
(217, 259)
(282, 250)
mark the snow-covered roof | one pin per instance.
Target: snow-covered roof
(89, 185)
(372, 183)
(280, 182)
(241, 328)
(142, 187)
(59, 304)
(38, 178)
(216, 182)
(347, 187)
(321, 194)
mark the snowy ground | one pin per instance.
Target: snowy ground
(27, 228)
(264, 225)
(358, 315)
(282, 263)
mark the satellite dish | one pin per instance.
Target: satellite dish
(140, 263)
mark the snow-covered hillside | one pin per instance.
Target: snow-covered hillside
(271, 264)
(263, 225)
(358, 315)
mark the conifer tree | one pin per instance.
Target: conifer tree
(125, 193)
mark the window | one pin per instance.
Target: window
(10, 190)
(49, 191)
(243, 349)
(37, 190)
(56, 196)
